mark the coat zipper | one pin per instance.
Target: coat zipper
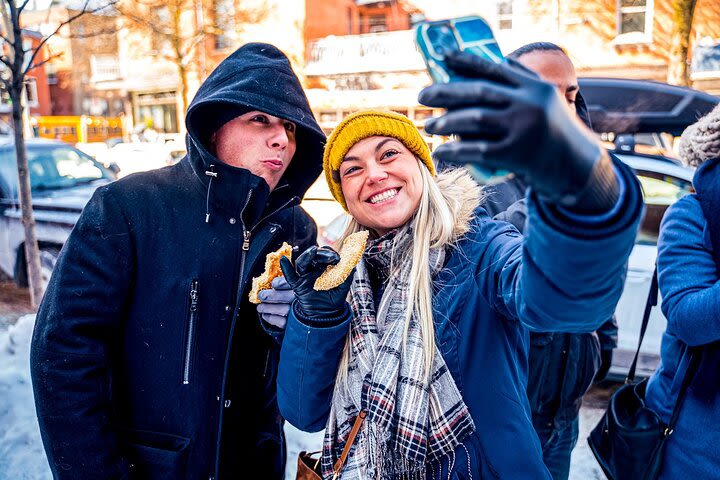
(191, 331)
(241, 280)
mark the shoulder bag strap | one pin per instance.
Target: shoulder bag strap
(652, 300)
(694, 353)
(337, 468)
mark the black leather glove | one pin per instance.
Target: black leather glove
(508, 118)
(605, 364)
(310, 303)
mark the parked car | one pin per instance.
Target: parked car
(62, 180)
(134, 157)
(639, 116)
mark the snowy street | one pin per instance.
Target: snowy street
(21, 452)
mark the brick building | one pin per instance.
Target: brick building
(36, 83)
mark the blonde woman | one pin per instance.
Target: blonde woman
(432, 342)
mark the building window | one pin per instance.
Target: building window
(51, 72)
(505, 14)
(377, 23)
(634, 16)
(31, 93)
(224, 12)
(349, 21)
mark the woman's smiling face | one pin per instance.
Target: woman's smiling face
(381, 183)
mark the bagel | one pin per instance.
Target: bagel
(350, 254)
(272, 271)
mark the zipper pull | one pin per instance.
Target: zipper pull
(246, 240)
(194, 296)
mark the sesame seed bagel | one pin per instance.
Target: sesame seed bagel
(350, 254)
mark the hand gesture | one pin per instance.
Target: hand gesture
(508, 118)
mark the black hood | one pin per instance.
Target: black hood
(257, 76)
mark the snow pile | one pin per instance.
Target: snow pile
(21, 452)
(297, 441)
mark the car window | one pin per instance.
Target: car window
(8, 174)
(62, 167)
(659, 192)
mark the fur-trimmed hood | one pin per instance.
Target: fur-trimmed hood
(462, 194)
(701, 140)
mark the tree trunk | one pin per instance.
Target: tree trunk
(183, 86)
(32, 255)
(683, 11)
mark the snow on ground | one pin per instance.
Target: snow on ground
(22, 456)
(21, 452)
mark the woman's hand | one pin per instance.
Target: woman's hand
(508, 118)
(310, 303)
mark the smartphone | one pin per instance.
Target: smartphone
(469, 34)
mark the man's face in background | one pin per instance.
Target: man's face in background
(555, 67)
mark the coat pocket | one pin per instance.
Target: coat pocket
(191, 327)
(155, 455)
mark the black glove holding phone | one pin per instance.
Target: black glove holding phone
(311, 304)
(508, 118)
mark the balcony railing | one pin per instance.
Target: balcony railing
(706, 61)
(104, 68)
(373, 52)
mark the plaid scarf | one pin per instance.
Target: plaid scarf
(409, 422)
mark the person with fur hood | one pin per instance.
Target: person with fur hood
(427, 342)
(689, 280)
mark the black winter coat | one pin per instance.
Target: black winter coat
(561, 365)
(148, 361)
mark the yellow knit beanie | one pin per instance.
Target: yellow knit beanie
(364, 124)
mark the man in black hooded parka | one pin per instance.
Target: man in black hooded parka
(148, 361)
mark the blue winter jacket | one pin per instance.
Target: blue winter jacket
(690, 287)
(567, 275)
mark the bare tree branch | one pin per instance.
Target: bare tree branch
(96, 33)
(5, 39)
(71, 18)
(4, 60)
(22, 7)
(49, 59)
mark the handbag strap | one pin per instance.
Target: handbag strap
(652, 300)
(694, 354)
(337, 468)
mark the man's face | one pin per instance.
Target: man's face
(554, 67)
(258, 142)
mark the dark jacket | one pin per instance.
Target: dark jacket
(494, 288)
(148, 361)
(689, 280)
(562, 365)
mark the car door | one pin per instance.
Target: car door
(8, 202)
(660, 190)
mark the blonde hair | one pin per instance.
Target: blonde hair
(443, 216)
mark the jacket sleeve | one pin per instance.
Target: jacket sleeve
(569, 272)
(75, 332)
(687, 275)
(309, 361)
(608, 334)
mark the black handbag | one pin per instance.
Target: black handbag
(628, 441)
